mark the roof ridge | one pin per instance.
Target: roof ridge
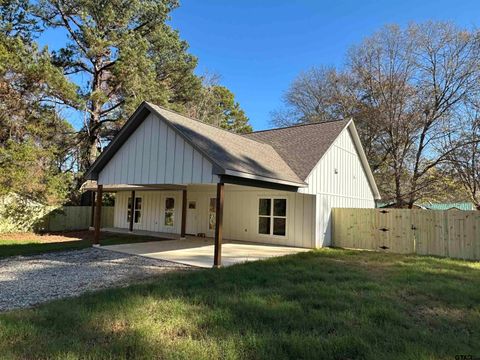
(296, 125)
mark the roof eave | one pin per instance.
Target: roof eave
(244, 175)
(363, 158)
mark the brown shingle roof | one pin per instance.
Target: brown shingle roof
(229, 150)
(301, 146)
(285, 156)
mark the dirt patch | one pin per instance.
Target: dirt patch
(48, 237)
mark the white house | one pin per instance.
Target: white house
(177, 175)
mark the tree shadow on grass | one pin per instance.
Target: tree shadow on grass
(79, 240)
(308, 305)
(38, 248)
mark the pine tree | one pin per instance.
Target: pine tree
(128, 54)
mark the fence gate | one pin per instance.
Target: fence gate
(450, 233)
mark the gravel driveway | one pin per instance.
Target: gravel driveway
(30, 280)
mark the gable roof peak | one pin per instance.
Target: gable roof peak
(302, 146)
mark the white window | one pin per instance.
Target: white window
(212, 213)
(169, 211)
(272, 216)
(137, 210)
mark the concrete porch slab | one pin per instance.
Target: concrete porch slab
(199, 251)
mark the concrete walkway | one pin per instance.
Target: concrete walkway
(199, 251)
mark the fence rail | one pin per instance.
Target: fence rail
(449, 233)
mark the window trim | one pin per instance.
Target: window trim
(135, 209)
(271, 216)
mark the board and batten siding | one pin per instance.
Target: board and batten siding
(152, 213)
(240, 220)
(240, 217)
(156, 154)
(338, 181)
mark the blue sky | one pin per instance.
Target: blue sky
(259, 46)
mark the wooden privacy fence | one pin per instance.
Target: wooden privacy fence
(69, 218)
(451, 233)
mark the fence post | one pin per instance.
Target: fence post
(446, 231)
(413, 227)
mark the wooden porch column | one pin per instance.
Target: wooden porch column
(98, 212)
(184, 214)
(217, 260)
(132, 211)
(92, 211)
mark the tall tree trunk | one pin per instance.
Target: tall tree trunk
(399, 201)
(93, 125)
(90, 151)
(413, 191)
(416, 170)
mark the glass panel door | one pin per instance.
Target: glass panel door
(169, 211)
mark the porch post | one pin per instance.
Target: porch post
(132, 212)
(98, 211)
(92, 211)
(217, 260)
(184, 214)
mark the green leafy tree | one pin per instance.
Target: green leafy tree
(116, 55)
(216, 105)
(16, 19)
(35, 143)
(28, 170)
(127, 53)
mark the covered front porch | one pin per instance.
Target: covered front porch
(134, 212)
(196, 224)
(196, 251)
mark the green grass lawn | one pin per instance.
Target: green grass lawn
(333, 304)
(31, 244)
